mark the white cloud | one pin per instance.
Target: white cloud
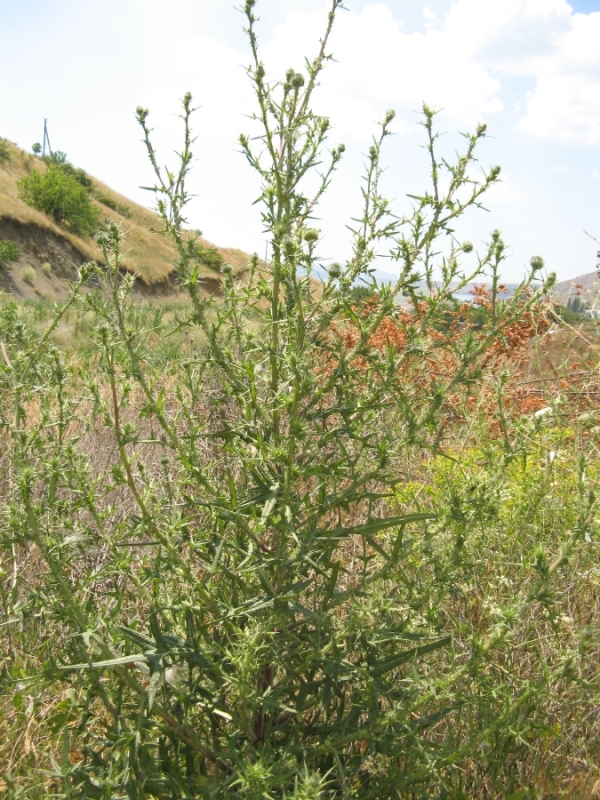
(565, 103)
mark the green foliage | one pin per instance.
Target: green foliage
(36, 147)
(59, 159)
(58, 193)
(211, 257)
(5, 154)
(576, 305)
(563, 313)
(114, 205)
(244, 590)
(9, 252)
(362, 293)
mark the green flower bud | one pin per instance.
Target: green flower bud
(289, 246)
(494, 172)
(389, 116)
(335, 270)
(259, 72)
(311, 235)
(495, 235)
(298, 81)
(226, 269)
(467, 247)
(481, 129)
(537, 263)
(289, 75)
(373, 152)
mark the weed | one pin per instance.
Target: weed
(279, 566)
(28, 275)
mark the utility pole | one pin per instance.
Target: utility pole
(46, 139)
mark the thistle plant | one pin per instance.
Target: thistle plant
(251, 610)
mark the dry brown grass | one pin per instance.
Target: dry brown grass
(148, 254)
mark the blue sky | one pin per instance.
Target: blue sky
(530, 69)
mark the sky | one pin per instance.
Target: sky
(529, 69)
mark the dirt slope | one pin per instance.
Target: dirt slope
(53, 252)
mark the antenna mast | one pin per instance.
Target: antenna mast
(46, 139)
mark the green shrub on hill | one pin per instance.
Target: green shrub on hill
(210, 257)
(114, 205)
(59, 159)
(9, 251)
(5, 154)
(61, 195)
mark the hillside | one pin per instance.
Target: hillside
(53, 251)
(587, 287)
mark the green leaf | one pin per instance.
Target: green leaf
(407, 655)
(109, 662)
(375, 525)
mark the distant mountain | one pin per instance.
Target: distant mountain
(587, 287)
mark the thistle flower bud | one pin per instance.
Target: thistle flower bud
(335, 270)
(259, 72)
(289, 75)
(226, 269)
(537, 263)
(243, 140)
(289, 246)
(494, 172)
(141, 114)
(467, 247)
(389, 116)
(311, 235)
(298, 81)
(480, 130)
(373, 152)
(495, 235)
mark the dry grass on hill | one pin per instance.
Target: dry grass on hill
(148, 254)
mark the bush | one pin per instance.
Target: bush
(9, 252)
(114, 205)
(211, 257)
(47, 268)
(60, 195)
(59, 159)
